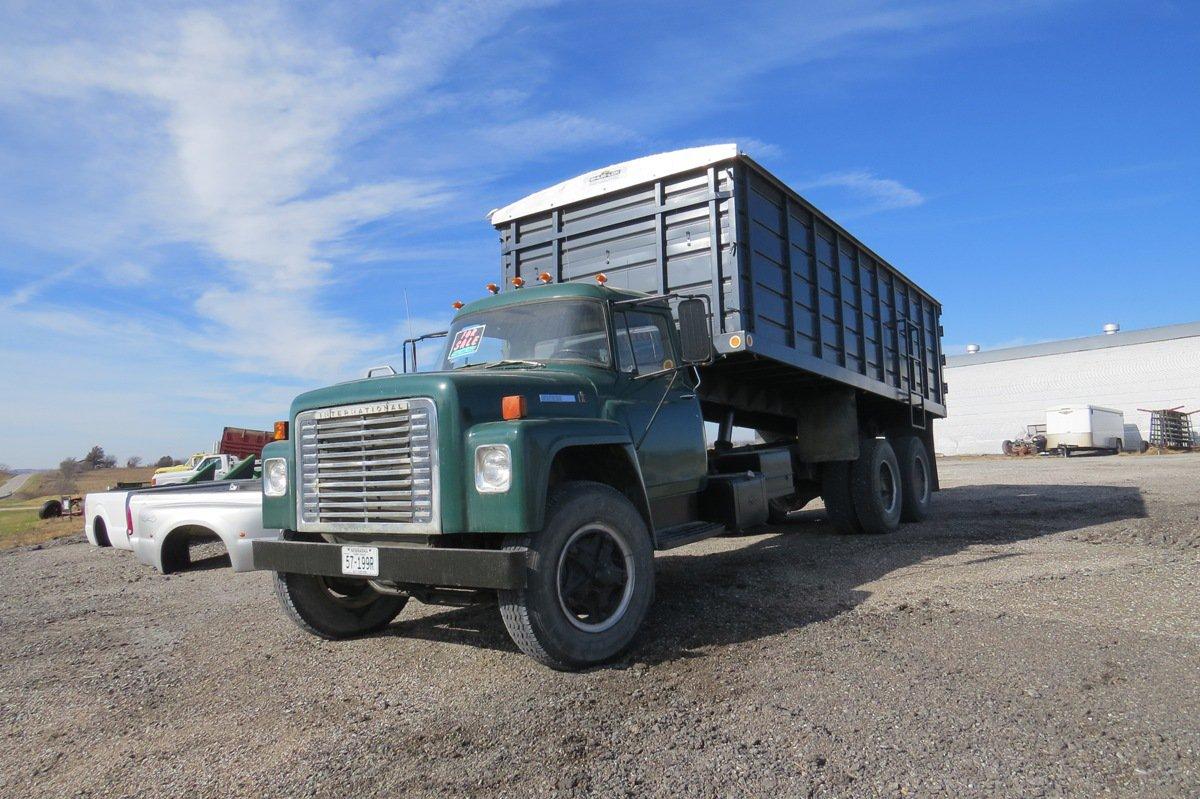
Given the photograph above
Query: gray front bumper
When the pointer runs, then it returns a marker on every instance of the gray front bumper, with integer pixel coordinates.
(449, 568)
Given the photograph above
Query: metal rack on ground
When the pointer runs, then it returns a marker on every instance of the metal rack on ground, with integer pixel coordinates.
(1171, 428)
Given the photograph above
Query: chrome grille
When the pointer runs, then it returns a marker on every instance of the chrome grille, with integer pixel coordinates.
(368, 468)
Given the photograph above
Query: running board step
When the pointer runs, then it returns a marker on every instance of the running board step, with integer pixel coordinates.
(683, 534)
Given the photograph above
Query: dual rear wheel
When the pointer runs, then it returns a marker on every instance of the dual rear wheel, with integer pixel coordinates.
(885, 486)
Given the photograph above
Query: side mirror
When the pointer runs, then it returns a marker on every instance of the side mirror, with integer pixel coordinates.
(695, 337)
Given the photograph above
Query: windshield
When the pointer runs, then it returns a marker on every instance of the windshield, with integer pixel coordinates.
(552, 330)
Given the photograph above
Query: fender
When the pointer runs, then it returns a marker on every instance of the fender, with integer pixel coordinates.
(533, 443)
(235, 523)
(89, 522)
(280, 512)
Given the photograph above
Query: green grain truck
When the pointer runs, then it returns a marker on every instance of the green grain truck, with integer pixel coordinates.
(561, 441)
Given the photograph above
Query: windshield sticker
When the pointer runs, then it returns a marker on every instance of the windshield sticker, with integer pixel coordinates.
(466, 342)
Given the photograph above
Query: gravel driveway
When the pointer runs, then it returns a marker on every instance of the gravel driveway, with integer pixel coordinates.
(1040, 636)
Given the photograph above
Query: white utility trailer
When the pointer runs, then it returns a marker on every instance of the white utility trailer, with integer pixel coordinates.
(1084, 427)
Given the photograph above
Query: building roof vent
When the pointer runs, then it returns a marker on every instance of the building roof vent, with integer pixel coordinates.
(972, 349)
(1110, 328)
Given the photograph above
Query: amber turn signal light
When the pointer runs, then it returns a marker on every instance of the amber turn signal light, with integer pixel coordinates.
(512, 407)
(281, 431)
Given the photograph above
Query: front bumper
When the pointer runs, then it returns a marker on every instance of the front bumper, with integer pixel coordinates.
(443, 568)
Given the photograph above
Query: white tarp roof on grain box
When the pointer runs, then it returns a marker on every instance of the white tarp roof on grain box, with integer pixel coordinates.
(614, 178)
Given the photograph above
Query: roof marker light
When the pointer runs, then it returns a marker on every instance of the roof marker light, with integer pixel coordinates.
(518, 281)
(601, 278)
(493, 288)
(544, 277)
(457, 304)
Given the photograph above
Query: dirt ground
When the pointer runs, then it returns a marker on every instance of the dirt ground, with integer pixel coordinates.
(1040, 637)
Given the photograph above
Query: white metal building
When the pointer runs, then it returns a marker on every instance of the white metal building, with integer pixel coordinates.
(994, 395)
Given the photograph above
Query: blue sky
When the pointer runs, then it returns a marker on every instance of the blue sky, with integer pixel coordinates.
(208, 208)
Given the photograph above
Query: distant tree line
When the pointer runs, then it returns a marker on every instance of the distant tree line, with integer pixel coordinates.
(96, 458)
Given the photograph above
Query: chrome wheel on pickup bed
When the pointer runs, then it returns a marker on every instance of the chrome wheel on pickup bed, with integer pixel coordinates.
(590, 579)
(335, 607)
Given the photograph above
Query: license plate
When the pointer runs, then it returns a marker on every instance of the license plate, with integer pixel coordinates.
(360, 561)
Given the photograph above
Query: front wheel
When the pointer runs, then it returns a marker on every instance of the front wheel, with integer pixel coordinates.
(589, 579)
(335, 607)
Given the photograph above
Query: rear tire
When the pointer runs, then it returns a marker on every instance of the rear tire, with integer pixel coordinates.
(589, 579)
(838, 498)
(875, 487)
(916, 478)
(335, 607)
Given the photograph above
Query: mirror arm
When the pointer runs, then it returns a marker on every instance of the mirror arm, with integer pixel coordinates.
(657, 408)
(411, 343)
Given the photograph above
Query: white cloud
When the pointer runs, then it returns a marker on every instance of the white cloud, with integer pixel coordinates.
(126, 273)
(758, 149)
(267, 146)
(255, 113)
(873, 192)
(25, 293)
(554, 132)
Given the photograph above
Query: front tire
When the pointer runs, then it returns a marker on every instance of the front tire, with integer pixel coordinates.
(335, 607)
(589, 579)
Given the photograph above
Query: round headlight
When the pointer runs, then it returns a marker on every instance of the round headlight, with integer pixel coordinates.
(493, 468)
(274, 477)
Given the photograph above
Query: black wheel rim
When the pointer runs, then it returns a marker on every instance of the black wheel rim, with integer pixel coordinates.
(888, 495)
(921, 478)
(348, 593)
(595, 578)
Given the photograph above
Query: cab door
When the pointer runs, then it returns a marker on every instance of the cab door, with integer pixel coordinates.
(672, 451)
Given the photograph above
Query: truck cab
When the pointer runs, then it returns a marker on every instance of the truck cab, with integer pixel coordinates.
(209, 467)
(560, 440)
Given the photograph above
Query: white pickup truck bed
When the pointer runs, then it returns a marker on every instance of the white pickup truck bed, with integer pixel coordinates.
(165, 521)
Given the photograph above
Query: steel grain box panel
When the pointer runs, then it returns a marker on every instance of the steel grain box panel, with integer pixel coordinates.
(803, 291)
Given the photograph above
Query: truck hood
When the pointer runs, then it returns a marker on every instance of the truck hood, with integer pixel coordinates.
(474, 396)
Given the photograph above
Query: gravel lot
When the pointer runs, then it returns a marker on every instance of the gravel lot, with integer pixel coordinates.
(1040, 636)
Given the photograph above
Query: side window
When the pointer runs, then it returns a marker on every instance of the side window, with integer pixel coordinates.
(644, 343)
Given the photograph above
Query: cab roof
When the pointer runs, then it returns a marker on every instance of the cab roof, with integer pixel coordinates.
(552, 291)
